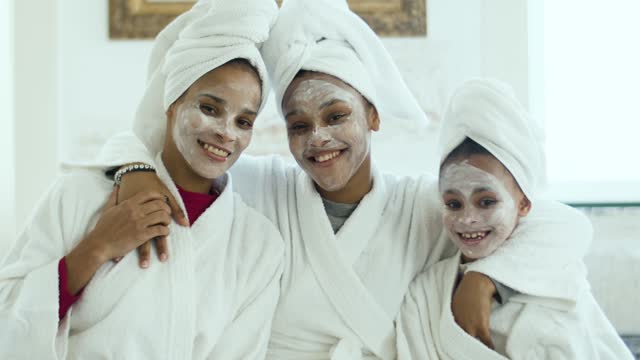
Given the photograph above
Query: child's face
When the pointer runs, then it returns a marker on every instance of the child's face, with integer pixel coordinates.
(482, 204)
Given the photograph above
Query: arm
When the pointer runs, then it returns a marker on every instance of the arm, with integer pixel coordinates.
(543, 256)
(29, 283)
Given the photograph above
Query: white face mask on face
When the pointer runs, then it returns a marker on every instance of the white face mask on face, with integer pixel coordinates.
(329, 134)
(213, 120)
(480, 213)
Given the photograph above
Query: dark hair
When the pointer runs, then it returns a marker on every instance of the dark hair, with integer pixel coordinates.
(303, 73)
(466, 148)
(246, 64)
(469, 148)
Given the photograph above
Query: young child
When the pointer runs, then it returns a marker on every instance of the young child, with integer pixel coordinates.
(491, 164)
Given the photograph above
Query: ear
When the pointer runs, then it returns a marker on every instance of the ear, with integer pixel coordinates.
(524, 207)
(171, 111)
(373, 118)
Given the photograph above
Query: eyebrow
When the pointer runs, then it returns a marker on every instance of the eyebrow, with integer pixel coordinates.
(483, 189)
(215, 98)
(292, 113)
(223, 102)
(329, 103)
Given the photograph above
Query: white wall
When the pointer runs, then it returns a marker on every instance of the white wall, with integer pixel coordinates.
(99, 82)
(35, 102)
(7, 180)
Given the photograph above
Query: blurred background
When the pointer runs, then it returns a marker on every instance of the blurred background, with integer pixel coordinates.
(65, 87)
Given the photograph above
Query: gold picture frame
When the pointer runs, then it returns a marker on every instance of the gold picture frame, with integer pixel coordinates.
(143, 19)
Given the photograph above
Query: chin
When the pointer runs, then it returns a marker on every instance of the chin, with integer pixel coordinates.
(330, 186)
(210, 174)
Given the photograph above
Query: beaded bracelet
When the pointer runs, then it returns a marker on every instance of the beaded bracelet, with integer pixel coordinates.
(117, 178)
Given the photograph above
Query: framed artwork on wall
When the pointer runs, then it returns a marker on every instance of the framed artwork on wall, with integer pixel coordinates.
(143, 19)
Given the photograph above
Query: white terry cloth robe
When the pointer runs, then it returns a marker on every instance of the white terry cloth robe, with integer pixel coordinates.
(525, 328)
(213, 299)
(538, 325)
(341, 292)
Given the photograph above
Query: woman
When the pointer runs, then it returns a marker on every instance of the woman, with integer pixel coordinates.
(354, 237)
(215, 297)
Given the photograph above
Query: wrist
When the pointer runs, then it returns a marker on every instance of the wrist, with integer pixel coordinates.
(92, 250)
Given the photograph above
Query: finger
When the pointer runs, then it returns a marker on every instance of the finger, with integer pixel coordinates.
(155, 205)
(162, 248)
(176, 210)
(117, 260)
(156, 231)
(157, 218)
(112, 200)
(485, 338)
(144, 255)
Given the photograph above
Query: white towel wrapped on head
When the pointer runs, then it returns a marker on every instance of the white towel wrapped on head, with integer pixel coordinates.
(209, 35)
(325, 36)
(488, 112)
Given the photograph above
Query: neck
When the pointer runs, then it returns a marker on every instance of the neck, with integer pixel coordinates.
(181, 172)
(358, 186)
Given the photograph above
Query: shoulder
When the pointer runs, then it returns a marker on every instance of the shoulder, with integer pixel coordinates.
(79, 188)
(554, 212)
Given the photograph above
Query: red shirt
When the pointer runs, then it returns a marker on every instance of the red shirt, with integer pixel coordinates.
(195, 203)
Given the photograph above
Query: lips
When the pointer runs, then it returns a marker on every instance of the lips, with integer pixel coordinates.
(473, 238)
(214, 150)
(325, 158)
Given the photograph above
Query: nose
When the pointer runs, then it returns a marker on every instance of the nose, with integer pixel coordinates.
(224, 134)
(469, 217)
(319, 138)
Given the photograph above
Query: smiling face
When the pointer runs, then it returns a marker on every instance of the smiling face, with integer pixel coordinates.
(482, 204)
(210, 125)
(329, 128)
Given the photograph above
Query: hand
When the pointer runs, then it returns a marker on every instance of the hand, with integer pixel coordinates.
(136, 182)
(120, 229)
(471, 305)
(123, 227)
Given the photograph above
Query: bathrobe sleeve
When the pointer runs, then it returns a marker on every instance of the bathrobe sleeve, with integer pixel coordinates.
(544, 255)
(29, 280)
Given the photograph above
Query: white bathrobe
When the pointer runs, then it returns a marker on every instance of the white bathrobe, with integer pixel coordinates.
(213, 299)
(525, 328)
(341, 292)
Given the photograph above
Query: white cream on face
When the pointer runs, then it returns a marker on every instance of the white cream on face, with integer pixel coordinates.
(209, 144)
(474, 223)
(331, 152)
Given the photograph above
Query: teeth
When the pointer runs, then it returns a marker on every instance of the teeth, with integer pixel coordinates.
(327, 157)
(214, 150)
(474, 235)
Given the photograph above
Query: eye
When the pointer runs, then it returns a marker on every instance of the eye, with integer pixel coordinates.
(487, 202)
(244, 124)
(208, 110)
(453, 205)
(336, 117)
(298, 127)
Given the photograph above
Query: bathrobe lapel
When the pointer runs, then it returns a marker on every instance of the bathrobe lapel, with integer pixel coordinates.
(181, 280)
(332, 258)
